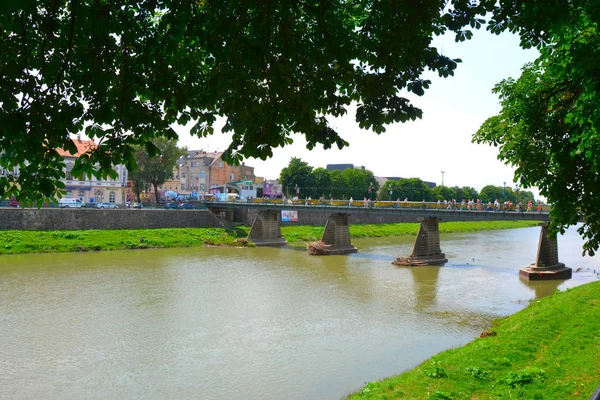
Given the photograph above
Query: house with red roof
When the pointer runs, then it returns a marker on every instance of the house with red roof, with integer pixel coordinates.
(89, 189)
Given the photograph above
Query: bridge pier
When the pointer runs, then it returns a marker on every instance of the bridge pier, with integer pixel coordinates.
(337, 235)
(546, 265)
(266, 229)
(426, 250)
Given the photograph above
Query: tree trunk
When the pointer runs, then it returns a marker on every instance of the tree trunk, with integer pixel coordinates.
(156, 192)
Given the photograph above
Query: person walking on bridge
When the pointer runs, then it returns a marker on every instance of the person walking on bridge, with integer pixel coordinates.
(350, 201)
(539, 207)
(529, 204)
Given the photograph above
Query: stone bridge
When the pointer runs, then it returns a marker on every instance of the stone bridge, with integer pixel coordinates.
(266, 230)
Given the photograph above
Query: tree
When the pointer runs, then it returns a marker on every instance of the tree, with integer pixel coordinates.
(548, 127)
(122, 73)
(491, 193)
(322, 182)
(138, 183)
(359, 183)
(443, 193)
(297, 173)
(465, 193)
(155, 170)
(412, 188)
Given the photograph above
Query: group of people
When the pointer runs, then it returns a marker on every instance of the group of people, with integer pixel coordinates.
(478, 205)
(468, 205)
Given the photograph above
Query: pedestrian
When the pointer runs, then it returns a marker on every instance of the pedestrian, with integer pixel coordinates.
(423, 204)
(406, 202)
(439, 204)
(398, 202)
(350, 201)
(539, 207)
(365, 202)
(529, 205)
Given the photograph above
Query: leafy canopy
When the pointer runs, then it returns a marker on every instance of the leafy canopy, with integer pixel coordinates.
(126, 72)
(548, 127)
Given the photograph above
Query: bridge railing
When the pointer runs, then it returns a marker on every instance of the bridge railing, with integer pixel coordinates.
(390, 204)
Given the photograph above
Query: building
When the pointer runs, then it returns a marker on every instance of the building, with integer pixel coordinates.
(342, 167)
(89, 189)
(205, 172)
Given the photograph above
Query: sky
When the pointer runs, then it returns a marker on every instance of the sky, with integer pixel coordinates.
(453, 109)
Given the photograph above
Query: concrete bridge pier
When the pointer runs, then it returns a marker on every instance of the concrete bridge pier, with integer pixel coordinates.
(337, 235)
(266, 229)
(426, 250)
(546, 265)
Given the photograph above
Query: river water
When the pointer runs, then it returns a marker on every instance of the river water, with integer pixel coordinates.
(263, 323)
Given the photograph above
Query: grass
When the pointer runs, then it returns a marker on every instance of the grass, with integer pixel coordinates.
(18, 242)
(312, 233)
(550, 350)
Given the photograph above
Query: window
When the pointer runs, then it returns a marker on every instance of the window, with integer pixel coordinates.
(231, 176)
(111, 197)
(81, 195)
(183, 186)
(220, 164)
(68, 175)
(68, 195)
(202, 175)
(183, 175)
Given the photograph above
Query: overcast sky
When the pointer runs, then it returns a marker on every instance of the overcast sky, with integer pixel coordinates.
(453, 110)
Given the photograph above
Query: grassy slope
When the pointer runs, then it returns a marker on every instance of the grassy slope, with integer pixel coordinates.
(311, 233)
(550, 350)
(14, 242)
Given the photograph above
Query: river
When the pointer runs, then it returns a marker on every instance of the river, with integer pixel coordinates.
(258, 323)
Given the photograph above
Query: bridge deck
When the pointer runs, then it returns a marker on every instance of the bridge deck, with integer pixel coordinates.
(416, 213)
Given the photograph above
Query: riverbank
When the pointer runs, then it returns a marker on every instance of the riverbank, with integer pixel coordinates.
(549, 350)
(20, 242)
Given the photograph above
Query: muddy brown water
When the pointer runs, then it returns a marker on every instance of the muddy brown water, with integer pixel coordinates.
(261, 323)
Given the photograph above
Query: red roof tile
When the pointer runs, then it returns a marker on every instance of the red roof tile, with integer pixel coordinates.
(83, 146)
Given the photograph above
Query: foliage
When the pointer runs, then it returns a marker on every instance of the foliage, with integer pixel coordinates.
(321, 182)
(443, 193)
(435, 370)
(492, 193)
(156, 169)
(465, 193)
(548, 127)
(412, 188)
(478, 373)
(125, 74)
(548, 350)
(297, 173)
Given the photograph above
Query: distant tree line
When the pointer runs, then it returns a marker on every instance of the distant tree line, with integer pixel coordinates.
(300, 179)
(416, 190)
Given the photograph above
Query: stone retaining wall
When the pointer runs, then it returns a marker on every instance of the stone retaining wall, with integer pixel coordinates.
(82, 218)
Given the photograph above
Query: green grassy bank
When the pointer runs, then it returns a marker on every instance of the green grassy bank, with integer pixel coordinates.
(17, 242)
(550, 350)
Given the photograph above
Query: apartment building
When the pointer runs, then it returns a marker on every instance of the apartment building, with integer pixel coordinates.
(89, 189)
(204, 172)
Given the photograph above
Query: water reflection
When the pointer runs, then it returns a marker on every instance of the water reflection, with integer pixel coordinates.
(542, 288)
(425, 281)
